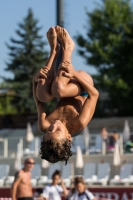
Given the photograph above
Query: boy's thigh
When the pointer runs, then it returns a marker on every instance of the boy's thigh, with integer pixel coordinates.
(43, 92)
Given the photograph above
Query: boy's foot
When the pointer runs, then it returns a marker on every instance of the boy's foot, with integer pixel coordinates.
(64, 38)
(52, 39)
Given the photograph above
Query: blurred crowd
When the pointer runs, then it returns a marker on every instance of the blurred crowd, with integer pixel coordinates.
(109, 140)
(56, 190)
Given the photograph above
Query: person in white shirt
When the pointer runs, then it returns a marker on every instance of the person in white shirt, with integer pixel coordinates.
(79, 191)
(55, 191)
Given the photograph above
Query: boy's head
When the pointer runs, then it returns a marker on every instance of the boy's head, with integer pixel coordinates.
(56, 143)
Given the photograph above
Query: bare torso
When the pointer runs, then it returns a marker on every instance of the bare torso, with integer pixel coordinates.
(67, 109)
(24, 188)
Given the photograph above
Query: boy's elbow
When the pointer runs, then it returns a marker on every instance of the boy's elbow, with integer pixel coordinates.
(82, 125)
(95, 94)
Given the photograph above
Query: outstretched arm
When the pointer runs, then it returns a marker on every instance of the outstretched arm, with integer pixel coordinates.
(42, 122)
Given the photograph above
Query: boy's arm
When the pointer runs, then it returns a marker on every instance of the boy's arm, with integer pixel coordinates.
(42, 122)
(90, 103)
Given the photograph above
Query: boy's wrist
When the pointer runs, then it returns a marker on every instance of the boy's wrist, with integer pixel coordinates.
(75, 74)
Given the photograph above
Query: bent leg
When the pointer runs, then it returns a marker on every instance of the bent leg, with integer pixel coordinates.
(43, 90)
(72, 88)
(63, 86)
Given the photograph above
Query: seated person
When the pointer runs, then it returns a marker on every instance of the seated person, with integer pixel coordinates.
(74, 108)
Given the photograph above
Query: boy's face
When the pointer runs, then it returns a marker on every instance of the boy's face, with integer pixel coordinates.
(57, 131)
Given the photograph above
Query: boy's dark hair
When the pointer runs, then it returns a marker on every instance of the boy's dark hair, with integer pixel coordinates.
(56, 173)
(54, 151)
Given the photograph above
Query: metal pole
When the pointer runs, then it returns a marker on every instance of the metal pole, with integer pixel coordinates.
(59, 22)
(21, 146)
(5, 148)
(60, 13)
(36, 147)
(121, 144)
(103, 147)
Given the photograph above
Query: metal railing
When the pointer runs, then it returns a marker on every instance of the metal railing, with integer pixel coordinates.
(8, 146)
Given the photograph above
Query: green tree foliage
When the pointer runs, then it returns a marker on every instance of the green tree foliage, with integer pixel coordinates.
(27, 55)
(108, 46)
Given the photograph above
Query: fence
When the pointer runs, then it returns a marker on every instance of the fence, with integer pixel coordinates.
(8, 146)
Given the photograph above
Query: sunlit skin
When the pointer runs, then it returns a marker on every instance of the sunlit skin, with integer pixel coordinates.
(22, 183)
(28, 165)
(80, 187)
(73, 111)
(57, 131)
(56, 179)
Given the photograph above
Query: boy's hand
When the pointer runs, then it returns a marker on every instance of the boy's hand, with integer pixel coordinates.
(41, 75)
(70, 72)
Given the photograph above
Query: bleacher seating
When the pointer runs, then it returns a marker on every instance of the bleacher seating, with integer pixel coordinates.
(9, 180)
(36, 173)
(66, 174)
(97, 148)
(78, 141)
(125, 175)
(89, 172)
(103, 174)
(4, 172)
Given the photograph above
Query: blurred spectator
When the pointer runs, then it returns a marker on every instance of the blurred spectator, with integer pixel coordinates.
(38, 193)
(55, 191)
(79, 191)
(21, 187)
(115, 135)
(112, 138)
(129, 145)
(104, 135)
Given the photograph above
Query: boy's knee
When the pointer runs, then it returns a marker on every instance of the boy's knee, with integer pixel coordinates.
(86, 76)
